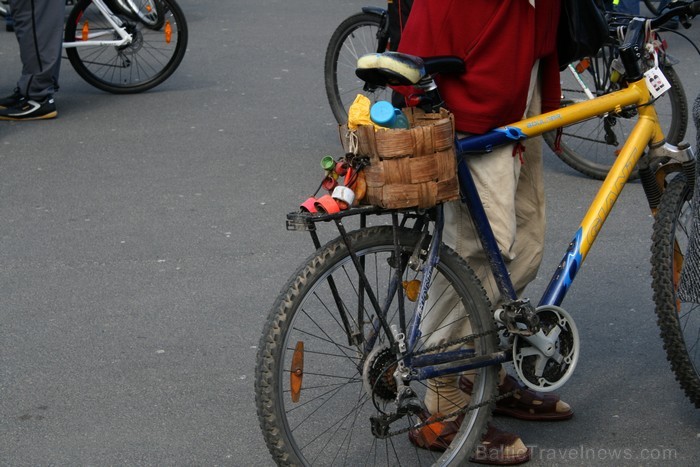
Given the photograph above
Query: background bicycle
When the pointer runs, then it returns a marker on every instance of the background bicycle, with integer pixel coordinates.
(124, 46)
(144, 42)
(591, 147)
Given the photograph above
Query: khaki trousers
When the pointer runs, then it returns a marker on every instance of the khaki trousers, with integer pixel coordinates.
(512, 191)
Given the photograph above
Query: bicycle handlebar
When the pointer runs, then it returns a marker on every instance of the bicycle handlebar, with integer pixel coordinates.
(687, 9)
(635, 35)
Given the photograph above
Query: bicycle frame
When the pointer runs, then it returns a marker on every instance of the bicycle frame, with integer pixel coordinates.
(517, 315)
(124, 37)
(646, 132)
(369, 326)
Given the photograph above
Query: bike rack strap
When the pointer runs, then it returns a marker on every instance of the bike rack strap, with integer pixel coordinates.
(305, 221)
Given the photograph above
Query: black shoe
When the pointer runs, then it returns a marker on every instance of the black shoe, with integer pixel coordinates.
(29, 109)
(12, 100)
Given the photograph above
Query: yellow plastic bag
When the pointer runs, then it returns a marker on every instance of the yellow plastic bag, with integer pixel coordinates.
(358, 113)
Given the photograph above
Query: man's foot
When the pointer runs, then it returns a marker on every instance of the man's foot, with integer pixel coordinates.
(12, 100)
(525, 404)
(497, 447)
(29, 109)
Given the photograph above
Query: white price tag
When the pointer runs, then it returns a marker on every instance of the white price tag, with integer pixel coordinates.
(656, 82)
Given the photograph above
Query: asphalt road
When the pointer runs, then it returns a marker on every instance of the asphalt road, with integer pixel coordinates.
(142, 242)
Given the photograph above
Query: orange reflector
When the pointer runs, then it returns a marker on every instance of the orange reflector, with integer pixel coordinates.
(86, 31)
(168, 32)
(297, 371)
(412, 289)
(677, 268)
(582, 65)
(149, 8)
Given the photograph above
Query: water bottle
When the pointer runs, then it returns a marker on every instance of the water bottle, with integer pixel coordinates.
(384, 114)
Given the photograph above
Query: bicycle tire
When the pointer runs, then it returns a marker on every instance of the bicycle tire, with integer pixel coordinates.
(583, 146)
(679, 322)
(353, 38)
(150, 59)
(330, 425)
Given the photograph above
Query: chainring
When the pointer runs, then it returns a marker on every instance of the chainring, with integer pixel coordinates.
(548, 373)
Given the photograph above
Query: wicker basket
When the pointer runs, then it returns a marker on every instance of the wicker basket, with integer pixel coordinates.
(414, 167)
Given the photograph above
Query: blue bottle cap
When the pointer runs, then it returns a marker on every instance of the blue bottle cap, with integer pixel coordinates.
(382, 113)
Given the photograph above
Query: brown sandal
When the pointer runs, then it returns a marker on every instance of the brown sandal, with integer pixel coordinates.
(497, 447)
(525, 404)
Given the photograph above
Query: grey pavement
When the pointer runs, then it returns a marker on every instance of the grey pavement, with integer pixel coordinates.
(142, 243)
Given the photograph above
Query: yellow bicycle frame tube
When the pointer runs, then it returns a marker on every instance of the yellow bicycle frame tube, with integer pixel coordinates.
(646, 132)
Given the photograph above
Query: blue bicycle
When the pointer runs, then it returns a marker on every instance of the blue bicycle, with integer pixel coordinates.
(353, 340)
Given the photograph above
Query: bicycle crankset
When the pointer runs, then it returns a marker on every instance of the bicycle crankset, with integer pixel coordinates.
(545, 360)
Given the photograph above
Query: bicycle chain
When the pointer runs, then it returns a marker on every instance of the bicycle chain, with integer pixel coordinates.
(461, 340)
(456, 413)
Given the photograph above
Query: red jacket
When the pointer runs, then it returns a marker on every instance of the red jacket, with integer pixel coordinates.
(499, 41)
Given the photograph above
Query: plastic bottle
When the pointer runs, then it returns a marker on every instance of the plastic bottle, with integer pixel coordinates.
(384, 114)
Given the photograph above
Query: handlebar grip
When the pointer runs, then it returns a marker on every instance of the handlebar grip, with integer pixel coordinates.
(691, 9)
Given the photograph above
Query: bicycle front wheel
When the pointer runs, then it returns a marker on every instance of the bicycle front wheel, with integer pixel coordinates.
(324, 365)
(679, 321)
(156, 50)
(353, 38)
(591, 147)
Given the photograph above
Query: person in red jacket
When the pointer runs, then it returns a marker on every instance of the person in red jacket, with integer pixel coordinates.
(512, 72)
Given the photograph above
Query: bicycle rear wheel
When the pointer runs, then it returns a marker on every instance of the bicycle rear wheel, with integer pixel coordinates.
(353, 38)
(678, 321)
(592, 146)
(156, 51)
(348, 377)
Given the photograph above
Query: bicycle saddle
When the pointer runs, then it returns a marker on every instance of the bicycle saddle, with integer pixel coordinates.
(399, 69)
